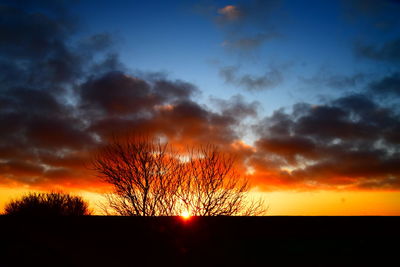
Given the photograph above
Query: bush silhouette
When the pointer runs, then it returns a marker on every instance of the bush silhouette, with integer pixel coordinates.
(48, 204)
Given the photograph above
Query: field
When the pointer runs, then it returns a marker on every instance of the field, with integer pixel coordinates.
(199, 241)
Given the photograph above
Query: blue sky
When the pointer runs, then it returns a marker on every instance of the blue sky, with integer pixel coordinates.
(185, 40)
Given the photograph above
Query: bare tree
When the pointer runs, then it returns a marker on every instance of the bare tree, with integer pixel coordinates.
(48, 204)
(143, 174)
(213, 187)
(151, 179)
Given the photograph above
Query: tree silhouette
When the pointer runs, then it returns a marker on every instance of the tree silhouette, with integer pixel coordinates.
(212, 186)
(143, 174)
(149, 178)
(48, 204)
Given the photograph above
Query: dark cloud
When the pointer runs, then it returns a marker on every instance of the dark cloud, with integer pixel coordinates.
(268, 80)
(62, 97)
(386, 52)
(33, 45)
(174, 90)
(98, 42)
(20, 168)
(376, 16)
(379, 14)
(196, 123)
(288, 147)
(337, 81)
(236, 106)
(31, 34)
(57, 133)
(386, 184)
(183, 121)
(388, 86)
(117, 93)
(347, 142)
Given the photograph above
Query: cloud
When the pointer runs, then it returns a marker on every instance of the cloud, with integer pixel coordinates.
(376, 17)
(388, 86)
(229, 13)
(386, 52)
(268, 80)
(117, 93)
(98, 42)
(58, 138)
(378, 14)
(350, 142)
(236, 106)
(337, 81)
(62, 97)
(249, 42)
(248, 24)
(20, 168)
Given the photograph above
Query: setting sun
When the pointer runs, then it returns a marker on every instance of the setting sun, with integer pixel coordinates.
(185, 215)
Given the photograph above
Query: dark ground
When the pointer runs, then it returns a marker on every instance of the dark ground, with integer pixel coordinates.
(212, 241)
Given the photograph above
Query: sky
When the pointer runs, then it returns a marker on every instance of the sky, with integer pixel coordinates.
(304, 93)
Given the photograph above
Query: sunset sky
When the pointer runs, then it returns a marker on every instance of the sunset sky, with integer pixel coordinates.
(305, 94)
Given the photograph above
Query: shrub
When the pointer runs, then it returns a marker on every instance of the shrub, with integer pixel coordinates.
(48, 204)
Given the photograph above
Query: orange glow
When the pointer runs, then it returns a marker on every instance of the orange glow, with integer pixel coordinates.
(333, 203)
(287, 202)
(185, 215)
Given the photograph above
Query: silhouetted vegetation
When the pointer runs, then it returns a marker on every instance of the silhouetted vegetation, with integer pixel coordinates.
(48, 204)
(152, 179)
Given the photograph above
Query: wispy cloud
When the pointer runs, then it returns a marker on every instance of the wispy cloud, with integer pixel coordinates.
(270, 79)
(248, 24)
(230, 13)
(325, 78)
(386, 52)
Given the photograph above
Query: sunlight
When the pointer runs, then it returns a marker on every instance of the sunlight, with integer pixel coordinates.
(185, 215)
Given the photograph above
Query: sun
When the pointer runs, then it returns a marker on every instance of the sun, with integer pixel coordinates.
(185, 215)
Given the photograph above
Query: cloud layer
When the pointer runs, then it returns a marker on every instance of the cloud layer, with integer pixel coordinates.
(350, 142)
(61, 98)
